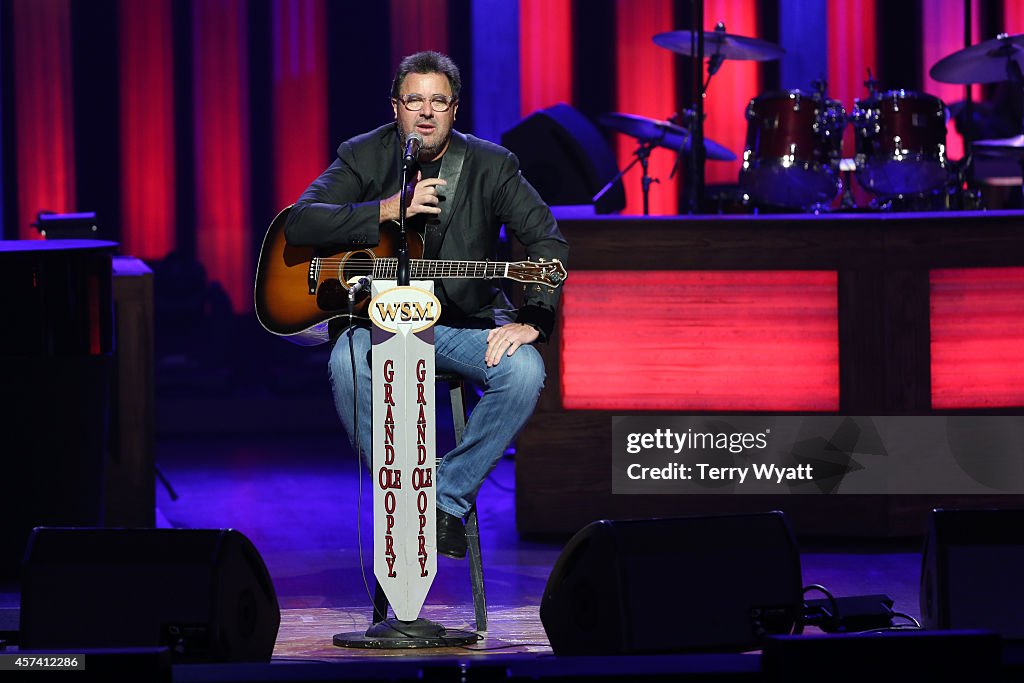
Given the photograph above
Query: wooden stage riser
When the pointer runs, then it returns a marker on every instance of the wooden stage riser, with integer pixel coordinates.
(882, 265)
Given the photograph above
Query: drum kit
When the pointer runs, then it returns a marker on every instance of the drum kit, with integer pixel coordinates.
(793, 155)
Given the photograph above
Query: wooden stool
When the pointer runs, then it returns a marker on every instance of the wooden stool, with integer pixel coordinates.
(456, 390)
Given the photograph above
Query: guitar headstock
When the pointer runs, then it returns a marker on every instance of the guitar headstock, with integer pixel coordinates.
(550, 273)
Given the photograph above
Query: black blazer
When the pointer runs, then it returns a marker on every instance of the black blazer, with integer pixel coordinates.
(485, 190)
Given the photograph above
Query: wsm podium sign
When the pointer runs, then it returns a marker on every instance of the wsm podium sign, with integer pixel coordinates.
(405, 547)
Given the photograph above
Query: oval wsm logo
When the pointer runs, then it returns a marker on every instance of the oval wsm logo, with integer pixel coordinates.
(405, 306)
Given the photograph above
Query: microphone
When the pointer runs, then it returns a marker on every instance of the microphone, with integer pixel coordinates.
(413, 141)
(358, 286)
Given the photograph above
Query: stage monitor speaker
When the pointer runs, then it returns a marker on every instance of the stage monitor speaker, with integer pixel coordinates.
(566, 158)
(971, 571)
(204, 593)
(674, 585)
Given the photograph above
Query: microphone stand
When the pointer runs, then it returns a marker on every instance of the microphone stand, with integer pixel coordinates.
(402, 272)
(395, 633)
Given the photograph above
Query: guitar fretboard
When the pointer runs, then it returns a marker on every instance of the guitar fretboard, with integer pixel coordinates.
(422, 269)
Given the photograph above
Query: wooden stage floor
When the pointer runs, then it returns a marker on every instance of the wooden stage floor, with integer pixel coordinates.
(296, 498)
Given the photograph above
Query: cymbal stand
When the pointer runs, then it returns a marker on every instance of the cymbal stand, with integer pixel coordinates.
(968, 135)
(641, 154)
(695, 159)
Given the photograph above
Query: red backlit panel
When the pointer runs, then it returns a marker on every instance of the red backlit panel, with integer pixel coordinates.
(545, 54)
(977, 337)
(700, 340)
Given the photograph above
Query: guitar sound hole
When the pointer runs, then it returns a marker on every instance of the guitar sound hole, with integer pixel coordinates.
(357, 265)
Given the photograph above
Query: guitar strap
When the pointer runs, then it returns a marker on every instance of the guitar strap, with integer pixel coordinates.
(451, 170)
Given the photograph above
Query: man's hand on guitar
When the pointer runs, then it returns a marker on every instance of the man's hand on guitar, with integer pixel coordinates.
(505, 340)
(422, 199)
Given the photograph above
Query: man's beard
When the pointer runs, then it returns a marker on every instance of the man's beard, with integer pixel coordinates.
(427, 151)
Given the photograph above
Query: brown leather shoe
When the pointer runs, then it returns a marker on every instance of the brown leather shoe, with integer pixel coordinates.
(451, 535)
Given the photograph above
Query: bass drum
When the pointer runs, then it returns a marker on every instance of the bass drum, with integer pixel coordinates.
(901, 143)
(794, 141)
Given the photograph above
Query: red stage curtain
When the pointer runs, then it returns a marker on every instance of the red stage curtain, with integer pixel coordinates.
(418, 25)
(301, 148)
(942, 33)
(645, 85)
(545, 54)
(43, 110)
(1013, 17)
(730, 89)
(851, 52)
(977, 344)
(147, 128)
(222, 163)
(698, 340)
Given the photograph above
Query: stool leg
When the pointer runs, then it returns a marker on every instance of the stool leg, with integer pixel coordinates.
(458, 399)
(476, 570)
(476, 563)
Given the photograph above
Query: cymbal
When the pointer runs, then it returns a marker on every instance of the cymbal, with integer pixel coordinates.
(985, 62)
(662, 134)
(1007, 148)
(727, 45)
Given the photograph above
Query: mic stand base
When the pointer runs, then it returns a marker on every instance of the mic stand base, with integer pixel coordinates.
(394, 634)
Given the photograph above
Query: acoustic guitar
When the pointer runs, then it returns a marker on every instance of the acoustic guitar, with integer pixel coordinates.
(299, 290)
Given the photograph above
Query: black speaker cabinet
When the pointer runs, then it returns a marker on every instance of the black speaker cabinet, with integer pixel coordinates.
(971, 571)
(566, 158)
(204, 593)
(673, 585)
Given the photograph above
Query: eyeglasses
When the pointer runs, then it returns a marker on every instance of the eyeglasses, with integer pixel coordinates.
(415, 102)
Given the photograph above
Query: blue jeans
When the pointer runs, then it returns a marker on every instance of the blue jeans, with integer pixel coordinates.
(510, 389)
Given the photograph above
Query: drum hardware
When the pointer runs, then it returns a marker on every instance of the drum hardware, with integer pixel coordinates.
(1009, 148)
(718, 46)
(991, 61)
(1005, 148)
(719, 43)
(793, 148)
(847, 167)
(900, 143)
(651, 133)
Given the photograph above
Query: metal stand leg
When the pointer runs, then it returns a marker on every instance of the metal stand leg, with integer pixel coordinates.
(380, 604)
(476, 570)
(456, 388)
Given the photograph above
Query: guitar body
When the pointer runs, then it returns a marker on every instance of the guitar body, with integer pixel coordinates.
(300, 289)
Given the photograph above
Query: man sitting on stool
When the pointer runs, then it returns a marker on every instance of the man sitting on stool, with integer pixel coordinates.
(465, 190)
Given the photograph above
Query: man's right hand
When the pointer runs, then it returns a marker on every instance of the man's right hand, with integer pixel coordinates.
(424, 200)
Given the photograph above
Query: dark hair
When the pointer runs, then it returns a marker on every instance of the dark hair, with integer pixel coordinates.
(428, 62)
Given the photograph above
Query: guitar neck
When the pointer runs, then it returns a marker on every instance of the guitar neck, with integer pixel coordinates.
(423, 269)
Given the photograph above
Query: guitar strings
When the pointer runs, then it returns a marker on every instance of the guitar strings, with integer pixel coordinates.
(363, 266)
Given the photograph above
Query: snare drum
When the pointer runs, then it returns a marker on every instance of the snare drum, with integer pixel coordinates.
(794, 141)
(901, 143)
